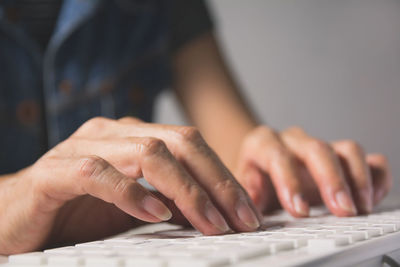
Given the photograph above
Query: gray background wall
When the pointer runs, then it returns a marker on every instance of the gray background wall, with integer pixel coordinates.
(332, 67)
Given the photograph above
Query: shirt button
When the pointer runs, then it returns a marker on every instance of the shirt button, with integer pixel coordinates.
(28, 112)
(65, 86)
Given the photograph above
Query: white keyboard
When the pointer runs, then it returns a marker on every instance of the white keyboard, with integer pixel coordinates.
(283, 241)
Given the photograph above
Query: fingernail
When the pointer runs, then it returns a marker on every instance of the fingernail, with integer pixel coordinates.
(246, 215)
(216, 218)
(345, 202)
(300, 205)
(156, 208)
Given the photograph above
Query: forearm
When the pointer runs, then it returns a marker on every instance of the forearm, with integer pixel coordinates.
(210, 97)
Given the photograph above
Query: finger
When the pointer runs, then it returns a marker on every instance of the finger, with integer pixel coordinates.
(95, 176)
(265, 149)
(252, 180)
(257, 185)
(177, 216)
(381, 176)
(309, 186)
(359, 176)
(149, 157)
(325, 168)
(188, 146)
(178, 185)
(210, 172)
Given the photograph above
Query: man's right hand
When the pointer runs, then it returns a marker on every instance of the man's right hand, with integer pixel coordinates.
(86, 187)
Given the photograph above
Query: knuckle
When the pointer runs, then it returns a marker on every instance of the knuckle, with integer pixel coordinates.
(97, 122)
(261, 134)
(318, 146)
(128, 119)
(352, 147)
(279, 152)
(91, 167)
(258, 135)
(152, 146)
(192, 193)
(94, 123)
(189, 134)
(192, 138)
(295, 130)
(227, 185)
(121, 188)
(263, 130)
(251, 142)
(382, 159)
(61, 148)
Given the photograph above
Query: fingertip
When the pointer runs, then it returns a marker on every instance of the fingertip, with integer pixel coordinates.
(247, 215)
(216, 218)
(300, 206)
(156, 208)
(345, 203)
(339, 202)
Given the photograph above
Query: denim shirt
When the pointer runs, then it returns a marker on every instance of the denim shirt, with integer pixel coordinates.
(105, 58)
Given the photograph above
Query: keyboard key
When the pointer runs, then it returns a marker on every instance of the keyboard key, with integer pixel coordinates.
(63, 260)
(297, 241)
(327, 243)
(34, 258)
(358, 235)
(372, 231)
(195, 262)
(387, 228)
(276, 246)
(351, 238)
(71, 251)
(134, 251)
(95, 244)
(147, 262)
(104, 261)
(238, 253)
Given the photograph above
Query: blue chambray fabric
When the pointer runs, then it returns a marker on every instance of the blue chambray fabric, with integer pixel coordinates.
(111, 55)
